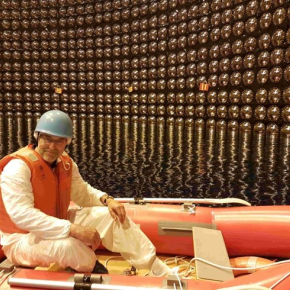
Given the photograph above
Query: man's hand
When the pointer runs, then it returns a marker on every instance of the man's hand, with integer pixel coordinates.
(116, 209)
(86, 235)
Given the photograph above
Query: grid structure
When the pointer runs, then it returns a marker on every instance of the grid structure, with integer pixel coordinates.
(148, 58)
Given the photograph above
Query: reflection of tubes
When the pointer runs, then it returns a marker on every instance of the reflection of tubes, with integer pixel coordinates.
(271, 156)
(83, 148)
(209, 184)
(134, 132)
(258, 155)
(1, 135)
(100, 152)
(244, 150)
(168, 158)
(232, 157)
(107, 154)
(151, 156)
(219, 175)
(141, 157)
(29, 127)
(91, 145)
(177, 179)
(133, 155)
(188, 158)
(9, 125)
(73, 148)
(126, 136)
(116, 147)
(117, 163)
(151, 140)
(19, 130)
(160, 155)
(124, 151)
(199, 157)
(284, 167)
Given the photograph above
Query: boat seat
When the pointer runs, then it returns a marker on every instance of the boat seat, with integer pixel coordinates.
(209, 245)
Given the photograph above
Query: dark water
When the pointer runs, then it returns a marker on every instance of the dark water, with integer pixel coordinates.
(140, 157)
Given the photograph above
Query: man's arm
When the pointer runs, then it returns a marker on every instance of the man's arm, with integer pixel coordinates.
(85, 195)
(18, 199)
(86, 235)
(82, 193)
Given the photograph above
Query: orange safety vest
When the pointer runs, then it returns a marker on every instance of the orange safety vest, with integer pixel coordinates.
(51, 189)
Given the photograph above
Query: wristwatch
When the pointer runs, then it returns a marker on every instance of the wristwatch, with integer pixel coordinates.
(106, 199)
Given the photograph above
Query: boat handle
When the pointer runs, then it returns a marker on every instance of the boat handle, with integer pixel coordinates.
(176, 229)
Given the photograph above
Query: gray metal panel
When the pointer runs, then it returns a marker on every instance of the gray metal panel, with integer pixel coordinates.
(181, 229)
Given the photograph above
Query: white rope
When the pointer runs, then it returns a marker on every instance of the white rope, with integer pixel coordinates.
(237, 269)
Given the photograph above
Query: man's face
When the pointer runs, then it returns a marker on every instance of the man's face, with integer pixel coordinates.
(50, 147)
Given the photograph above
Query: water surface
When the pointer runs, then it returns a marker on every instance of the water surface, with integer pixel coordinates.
(166, 157)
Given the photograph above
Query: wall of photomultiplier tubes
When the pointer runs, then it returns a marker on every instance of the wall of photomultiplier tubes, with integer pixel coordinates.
(145, 57)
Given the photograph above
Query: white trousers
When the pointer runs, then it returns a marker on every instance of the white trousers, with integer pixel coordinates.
(126, 239)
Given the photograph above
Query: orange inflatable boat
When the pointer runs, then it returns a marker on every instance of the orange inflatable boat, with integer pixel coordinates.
(253, 236)
(247, 231)
(276, 278)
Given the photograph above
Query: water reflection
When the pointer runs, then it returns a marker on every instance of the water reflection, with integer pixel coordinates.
(151, 155)
(220, 159)
(83, 146)
(245, 162)
(210, 186)
(2, 135)
(10, 133)
(159, 156)
(142, 170)
(117, 164)
(258, 158)
(284, 166)
(29, 126)
(188, 167)
(177, 178)
(91, 149)
(167, 157)
(232, 165)
(199, 159)
(271, 193)
(127, 155)
(99, 159)
(167, 161)
(19, 130)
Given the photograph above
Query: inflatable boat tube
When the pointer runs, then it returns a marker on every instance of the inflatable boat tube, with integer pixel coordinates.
(32, 279)
(247, 231)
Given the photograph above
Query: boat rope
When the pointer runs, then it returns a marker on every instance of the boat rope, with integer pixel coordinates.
(180, 284)
(252, 287)
(280, 280)
(237, 269)
(246, 287)
(184, 200)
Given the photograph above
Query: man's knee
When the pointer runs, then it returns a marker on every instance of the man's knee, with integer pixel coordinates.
(75, 254)
(69, 244)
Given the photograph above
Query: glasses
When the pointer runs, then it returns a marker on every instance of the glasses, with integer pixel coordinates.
(48, 140)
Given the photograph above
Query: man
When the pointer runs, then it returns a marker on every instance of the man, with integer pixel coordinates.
(37, 184)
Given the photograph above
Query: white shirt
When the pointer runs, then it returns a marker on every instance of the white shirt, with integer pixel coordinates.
(18, 199)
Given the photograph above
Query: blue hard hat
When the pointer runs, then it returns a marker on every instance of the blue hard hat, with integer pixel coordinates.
(56, 123)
